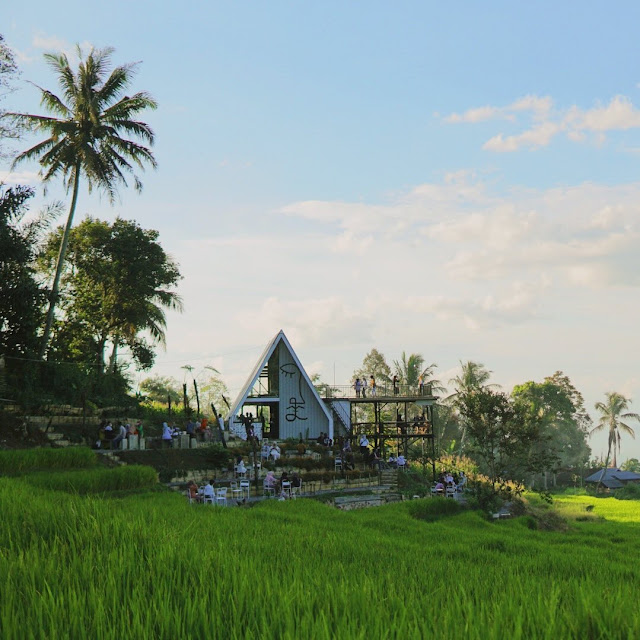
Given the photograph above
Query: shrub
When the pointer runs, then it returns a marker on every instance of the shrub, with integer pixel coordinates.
(628, 492)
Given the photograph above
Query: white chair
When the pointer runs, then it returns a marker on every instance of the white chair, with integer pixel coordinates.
(236, 491)
(221, 496)
(268, 490)
(286, 488)
(245, 487)
(450, 492)
(337, 463)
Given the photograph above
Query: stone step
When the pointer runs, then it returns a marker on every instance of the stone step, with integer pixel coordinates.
(53, 436)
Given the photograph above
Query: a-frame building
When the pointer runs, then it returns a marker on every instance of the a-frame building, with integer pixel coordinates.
(282, 396)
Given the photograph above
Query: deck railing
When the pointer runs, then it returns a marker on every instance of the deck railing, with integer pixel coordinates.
(385, 390)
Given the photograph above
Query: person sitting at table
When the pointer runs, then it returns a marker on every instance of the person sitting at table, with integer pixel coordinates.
(269, 481)
(448, 479)
(462, 480)
(274, 452)
(439, 487)
(208, 492)
(283, 478)
(393, 461)
(295, 480)
(400, 461)
(192, 488)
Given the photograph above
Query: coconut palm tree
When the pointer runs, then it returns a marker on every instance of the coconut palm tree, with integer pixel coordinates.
(612, 413)
(89, 134)
(473, 377)
(410, 368)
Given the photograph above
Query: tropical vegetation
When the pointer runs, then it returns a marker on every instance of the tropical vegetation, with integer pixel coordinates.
(92, 133)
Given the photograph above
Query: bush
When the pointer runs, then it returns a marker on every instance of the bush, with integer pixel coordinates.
(628, 492)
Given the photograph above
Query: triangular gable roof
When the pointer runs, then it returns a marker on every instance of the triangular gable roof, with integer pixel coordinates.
(260, 365)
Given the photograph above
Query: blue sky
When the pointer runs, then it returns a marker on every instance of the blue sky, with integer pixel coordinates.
(455, 180)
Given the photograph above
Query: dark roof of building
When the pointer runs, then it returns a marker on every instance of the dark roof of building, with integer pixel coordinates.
(613, 478)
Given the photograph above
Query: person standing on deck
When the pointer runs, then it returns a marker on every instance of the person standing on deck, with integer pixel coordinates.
(372, 385)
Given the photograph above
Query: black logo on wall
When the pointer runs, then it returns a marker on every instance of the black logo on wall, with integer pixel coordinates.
(296, 408)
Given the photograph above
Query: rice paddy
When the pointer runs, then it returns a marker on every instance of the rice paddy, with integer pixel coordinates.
(87, 563)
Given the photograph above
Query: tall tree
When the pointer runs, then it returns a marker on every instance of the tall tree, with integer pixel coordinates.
(507, 440)
(612, 414)
(410, 368)
(563, 418)
(115, 287)
(90, 134)
(374, 364)
(473, 377)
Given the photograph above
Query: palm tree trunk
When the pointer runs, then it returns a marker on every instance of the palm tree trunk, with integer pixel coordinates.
(114, 354)
(53, 297)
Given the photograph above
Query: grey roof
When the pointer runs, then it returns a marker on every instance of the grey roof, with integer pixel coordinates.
(612, 477)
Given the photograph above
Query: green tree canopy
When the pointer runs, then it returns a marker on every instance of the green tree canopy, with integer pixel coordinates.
(115, 286)
(159, 389)
(564, 419)
(92, 132)
(374, 364)
(508, 441)
(21, 298)
(410, 368)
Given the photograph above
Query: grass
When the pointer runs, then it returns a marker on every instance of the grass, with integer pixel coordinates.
(20, 461)
(152, 566)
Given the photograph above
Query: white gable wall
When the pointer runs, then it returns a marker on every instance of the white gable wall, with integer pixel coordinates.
(300, 409)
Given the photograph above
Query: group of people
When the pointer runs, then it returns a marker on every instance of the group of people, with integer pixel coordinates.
(324, 440)
(448, 480)
(361, 387)
(278, 485)
(108, 437)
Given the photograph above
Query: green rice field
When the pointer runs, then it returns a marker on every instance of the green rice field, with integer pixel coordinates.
(122, 559)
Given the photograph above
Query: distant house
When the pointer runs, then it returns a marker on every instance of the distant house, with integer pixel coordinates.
(614, 478)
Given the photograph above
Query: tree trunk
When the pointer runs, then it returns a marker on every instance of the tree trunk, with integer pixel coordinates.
(53, 297)
(114, 354)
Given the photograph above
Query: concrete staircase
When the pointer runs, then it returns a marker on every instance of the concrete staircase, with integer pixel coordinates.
(389, 477)
(56, 439)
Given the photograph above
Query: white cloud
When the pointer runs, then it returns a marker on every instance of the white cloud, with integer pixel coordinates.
(19, 177)
(546, 122)
(619, 114)
(538, 106)
(55, 44)
(538, 136)
(479, 114)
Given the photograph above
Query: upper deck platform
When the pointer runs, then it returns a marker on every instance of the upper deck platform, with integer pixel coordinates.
(383, 393)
